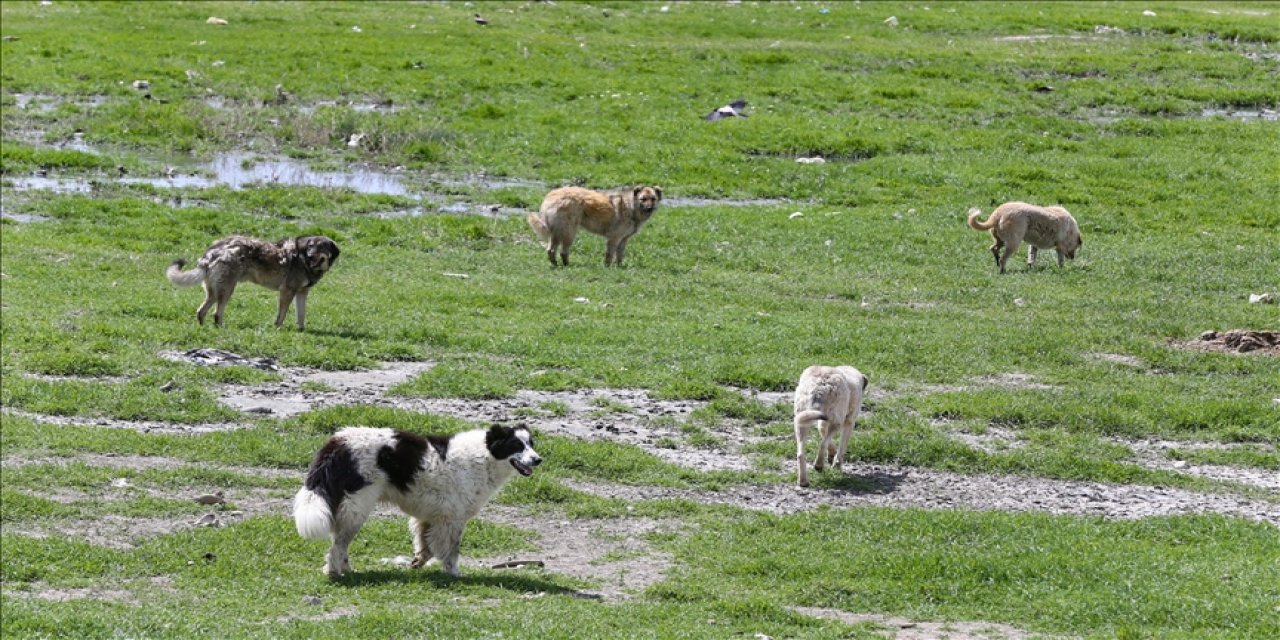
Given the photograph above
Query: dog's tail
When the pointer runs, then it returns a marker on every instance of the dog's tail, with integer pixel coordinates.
(980, 226)
(184, 278)
(311, 515)
(539, 227)
(805, 418)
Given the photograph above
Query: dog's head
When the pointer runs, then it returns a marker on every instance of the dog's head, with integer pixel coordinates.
(317, 252)
(515, 445)
(647, 198)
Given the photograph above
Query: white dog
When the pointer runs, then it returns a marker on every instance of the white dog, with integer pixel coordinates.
(832, 396)
(440, 481)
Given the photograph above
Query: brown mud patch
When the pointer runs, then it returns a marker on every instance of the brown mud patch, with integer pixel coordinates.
(1265, 343)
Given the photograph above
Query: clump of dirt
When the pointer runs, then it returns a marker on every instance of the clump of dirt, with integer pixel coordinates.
(1235, 341)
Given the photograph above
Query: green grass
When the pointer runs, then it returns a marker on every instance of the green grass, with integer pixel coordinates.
(917, 123)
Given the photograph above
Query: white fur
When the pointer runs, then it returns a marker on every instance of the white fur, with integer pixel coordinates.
(442, 497)
(831, 396)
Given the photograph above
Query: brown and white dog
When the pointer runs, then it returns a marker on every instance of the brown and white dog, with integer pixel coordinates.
(617, 216)
(291, 267)
(831, 396)
(1041, 227)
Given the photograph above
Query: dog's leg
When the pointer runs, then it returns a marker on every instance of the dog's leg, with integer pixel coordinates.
(1031, 257)
(825, 448)
(224, 296)
(564, 238)
(845, 431)
(444, 538)
(282, 308)
(209, 300)
(420, 529)
(622, 251)
(995, 249)
(300, 305)
(1061, 258)
(611, 251)
(352, 513)
(1009, 249)
(802, 433)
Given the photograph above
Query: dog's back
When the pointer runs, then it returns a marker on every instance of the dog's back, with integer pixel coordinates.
(830, 391)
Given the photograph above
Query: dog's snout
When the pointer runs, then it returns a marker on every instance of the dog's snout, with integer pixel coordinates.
(537, 460)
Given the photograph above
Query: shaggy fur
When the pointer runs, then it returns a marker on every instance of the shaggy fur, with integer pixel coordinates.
(616, 216)
(1041, 227)
(291, 267)
(833, 397)
(441, 482)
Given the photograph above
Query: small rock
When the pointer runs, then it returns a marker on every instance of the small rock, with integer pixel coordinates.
(214, 20)
(120, 483)
(1207, 336)
(891, 21)
(456, 275)
(356, 29)
(1261, 298)
(265, 411)
(664, 9)
(355, 139)
(1149, 13)
(168, 386)
(581, 300)
(1180, 464)
(312, 600)
(208, 520)
(141, 84)
(1019, 302)
(795, 215)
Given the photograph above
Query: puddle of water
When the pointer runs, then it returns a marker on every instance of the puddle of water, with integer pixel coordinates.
(47, 103)
(1243, 114)
(232, 170)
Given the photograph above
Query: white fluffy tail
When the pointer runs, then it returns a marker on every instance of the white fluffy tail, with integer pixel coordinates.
(184, 278)
(311, 515)
(809, 417)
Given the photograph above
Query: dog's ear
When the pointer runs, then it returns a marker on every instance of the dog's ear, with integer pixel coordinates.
(635, 193)
(865, 381)
(658, 190)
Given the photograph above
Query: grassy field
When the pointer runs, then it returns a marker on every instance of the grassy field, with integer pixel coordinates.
(1158, 132)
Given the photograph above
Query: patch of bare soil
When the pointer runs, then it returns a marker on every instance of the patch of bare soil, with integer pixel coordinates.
(904, 629)
(304, 390)
(610, 552)
(1234, 341)
(141, 463)
(126, 532)
(144, 426)
(891, 486)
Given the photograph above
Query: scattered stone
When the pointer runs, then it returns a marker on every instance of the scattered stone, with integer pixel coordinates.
(456, 275)
(168, 386)
(141, 84)
(312, 600)
(219, 357)
(891, 21)
(208, 520)
(214, 20)
(1261, 298)
(121, 483)
(1149, 13)
(581, 300)
(795, 215)
(813, 160)
(1019, 302)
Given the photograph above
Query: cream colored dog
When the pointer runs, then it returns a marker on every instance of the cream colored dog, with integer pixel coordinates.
(832, 396)
(1041, 227)
(616, 216)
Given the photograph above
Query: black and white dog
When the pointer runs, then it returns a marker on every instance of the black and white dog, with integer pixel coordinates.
(440, 481)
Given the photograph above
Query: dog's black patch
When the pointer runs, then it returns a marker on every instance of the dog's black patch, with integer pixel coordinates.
(440, 444)
(503, 443)
(865, 382)
(333, 474)
(403, 461)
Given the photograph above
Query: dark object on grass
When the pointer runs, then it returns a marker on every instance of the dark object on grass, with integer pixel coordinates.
(481, 21)
(731, 110)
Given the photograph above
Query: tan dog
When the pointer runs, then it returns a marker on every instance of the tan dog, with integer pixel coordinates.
(1041, 227)
(616, 216)
(832, 396)
(291, 266)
